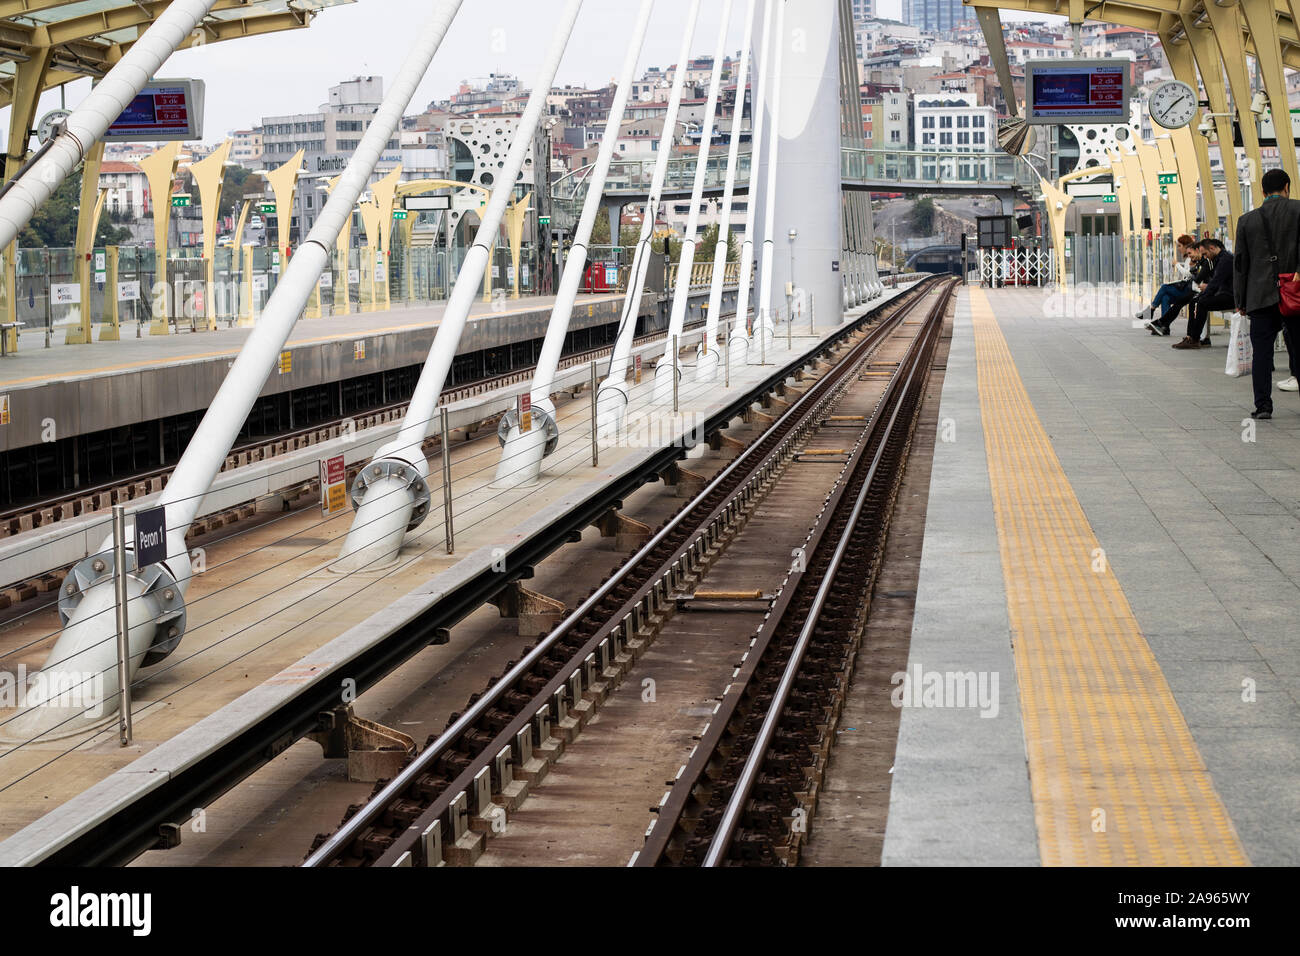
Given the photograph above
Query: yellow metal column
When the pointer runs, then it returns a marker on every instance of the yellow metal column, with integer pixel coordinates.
(1206, 53)
(110, 331)
(91, 204)
(1226, 25)
(1186, 142)
(1178, 218)
(209, 173)
(515, 215)
(246, 292)
(384, 191)
(366, 274)
(25, 87)
(1261, 20)
(1149, 162)
(159, 169)
(1058, 204)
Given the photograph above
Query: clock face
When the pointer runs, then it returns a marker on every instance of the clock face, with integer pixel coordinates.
(45, 128)
(1172, 104)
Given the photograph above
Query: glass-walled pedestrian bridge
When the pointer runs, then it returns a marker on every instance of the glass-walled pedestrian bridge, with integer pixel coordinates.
(875, 170)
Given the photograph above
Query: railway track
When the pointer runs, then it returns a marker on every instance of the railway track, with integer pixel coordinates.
(437, 807)
(747, 792)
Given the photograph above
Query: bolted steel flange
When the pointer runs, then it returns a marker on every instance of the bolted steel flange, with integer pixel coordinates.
(541, 419)
(160, 585)
(393, 468)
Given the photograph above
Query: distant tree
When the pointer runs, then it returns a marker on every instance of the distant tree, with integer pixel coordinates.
(232, 190)
(922, 216)
(54, 224)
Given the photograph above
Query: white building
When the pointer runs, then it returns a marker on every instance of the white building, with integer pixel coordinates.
(128, 188)
(952, 123)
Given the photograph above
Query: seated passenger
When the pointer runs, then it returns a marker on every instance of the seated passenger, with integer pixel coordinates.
(1172, 296)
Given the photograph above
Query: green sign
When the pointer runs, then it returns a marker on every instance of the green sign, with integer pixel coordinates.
(180, 199)
(1107, 198)
(544, 220)
(1166, 179)
(399, 213)
(266, 207)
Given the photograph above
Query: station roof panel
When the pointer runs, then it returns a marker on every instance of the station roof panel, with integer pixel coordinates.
(84, 38)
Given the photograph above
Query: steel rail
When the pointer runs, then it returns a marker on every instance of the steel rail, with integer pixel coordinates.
(768, 445)
(670, 811)
(731, 816)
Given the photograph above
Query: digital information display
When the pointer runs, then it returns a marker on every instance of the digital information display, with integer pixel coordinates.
(1077, 91)
(163, 110)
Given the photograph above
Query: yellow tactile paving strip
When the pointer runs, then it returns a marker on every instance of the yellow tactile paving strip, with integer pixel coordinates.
(1115, 776)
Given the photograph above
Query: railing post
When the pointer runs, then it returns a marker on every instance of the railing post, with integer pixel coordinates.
(675, 348)
(123, 626)
(449, 530)
(595, 445)
(726, 357)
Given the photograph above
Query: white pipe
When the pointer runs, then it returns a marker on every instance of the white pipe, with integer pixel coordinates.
(739, 344)
(521, 457)
(611, 399)
(706, 358)
(243, 383)
(668, 367)
(88, 122)
(363, 547)
(764, 323)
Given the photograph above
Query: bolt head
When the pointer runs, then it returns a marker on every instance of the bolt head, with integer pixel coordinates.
(172, 631)
(98, 564)
(168, 594)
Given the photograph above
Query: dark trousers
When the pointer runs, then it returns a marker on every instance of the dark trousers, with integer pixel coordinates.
(1169, 296)
(1264, 326)
(1201, 309)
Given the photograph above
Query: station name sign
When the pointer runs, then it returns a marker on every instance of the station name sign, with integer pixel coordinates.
(1077, 91)
(164, 110)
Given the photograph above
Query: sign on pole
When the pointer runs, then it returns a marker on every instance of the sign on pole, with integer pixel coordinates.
(524, 406)
(636, 380)
(180, 200)
(65, 293)
(399, 213)
(150, 536)
(333, 486)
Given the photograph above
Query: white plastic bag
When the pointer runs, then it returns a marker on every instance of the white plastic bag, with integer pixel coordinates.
(1240, 352)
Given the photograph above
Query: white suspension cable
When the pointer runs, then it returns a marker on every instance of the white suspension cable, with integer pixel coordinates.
(668, 367)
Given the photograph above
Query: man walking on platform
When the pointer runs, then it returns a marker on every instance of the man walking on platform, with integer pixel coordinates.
(1268, 244)
(1216, 295)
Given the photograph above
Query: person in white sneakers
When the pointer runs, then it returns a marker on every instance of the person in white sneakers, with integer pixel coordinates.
(1172, 296)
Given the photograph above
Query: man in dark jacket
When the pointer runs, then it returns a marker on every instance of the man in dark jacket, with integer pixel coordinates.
(1216, 296)
(1268, 243)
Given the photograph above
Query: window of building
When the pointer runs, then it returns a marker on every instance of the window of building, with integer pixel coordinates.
(963, 122)
(945, 122)
(978, 138)
(963, 139)
(927, 122)
(977, 121)
(945, 139)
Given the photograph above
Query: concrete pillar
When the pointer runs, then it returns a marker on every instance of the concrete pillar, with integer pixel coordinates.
(808, 196)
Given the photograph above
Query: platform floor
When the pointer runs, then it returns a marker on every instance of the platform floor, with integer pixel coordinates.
(34, 363)
(1115, 543)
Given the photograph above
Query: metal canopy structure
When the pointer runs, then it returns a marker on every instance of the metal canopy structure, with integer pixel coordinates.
(46, 43)
(1206, 44)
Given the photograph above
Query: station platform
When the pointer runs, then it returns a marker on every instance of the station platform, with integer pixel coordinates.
(90, 388)
(1104, 662)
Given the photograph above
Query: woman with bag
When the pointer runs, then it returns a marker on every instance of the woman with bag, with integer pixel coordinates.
(1265, 284)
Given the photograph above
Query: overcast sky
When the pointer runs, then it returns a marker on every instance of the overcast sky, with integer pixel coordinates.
(291, 72)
